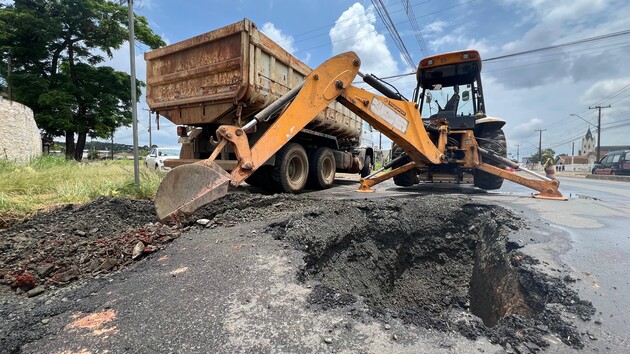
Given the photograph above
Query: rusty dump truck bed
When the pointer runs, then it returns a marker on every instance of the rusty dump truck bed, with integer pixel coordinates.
(226, 76)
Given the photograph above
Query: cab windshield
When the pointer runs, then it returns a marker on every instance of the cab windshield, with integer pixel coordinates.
(455, 99)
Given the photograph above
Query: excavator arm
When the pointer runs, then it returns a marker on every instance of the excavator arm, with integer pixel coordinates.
(188, 187)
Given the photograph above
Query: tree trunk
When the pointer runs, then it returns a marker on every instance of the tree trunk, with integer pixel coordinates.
(70, 148)
(80, 146)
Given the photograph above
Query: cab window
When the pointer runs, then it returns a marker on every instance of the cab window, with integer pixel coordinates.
(615, 158)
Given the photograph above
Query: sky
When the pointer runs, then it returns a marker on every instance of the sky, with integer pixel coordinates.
(540, 90)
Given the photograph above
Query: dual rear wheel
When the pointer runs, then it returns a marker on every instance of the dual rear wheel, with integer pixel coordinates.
(295, 169)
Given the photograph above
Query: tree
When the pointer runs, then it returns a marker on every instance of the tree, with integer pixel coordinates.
(55, 46)
(546, 153)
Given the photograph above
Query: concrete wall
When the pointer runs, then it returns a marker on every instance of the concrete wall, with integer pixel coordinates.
(19, 136)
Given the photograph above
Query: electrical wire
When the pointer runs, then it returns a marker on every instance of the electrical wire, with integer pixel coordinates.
(415, 27)
(382, 12)
(580, 41)
(381, 28)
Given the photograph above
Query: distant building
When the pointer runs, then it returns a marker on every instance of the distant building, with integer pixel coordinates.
(568, 160)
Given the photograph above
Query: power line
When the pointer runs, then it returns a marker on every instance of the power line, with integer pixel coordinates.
(415, 28)
(382, 12)
(599, 125)
(381, 28)
(580, 41)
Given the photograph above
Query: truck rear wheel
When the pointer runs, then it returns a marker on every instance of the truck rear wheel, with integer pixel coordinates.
(291, 170)
(404, 179)
(367, 167)
(494, 140)
(322, 167)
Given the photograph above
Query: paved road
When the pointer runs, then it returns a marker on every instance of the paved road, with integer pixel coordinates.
(225, 291)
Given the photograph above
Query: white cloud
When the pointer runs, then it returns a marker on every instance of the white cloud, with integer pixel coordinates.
(525, 130)
(354, 31)
(604, 88)
(459, 39)
(285, 41)
(434, 27)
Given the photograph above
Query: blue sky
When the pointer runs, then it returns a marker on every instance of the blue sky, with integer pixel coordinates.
(536, 91)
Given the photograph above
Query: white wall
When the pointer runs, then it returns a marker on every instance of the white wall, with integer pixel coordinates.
(20, 139)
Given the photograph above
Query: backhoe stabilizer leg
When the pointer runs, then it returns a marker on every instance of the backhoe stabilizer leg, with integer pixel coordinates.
(548, 189)
(368, 183)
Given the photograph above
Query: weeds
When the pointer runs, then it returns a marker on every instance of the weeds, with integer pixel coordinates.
(49, 181)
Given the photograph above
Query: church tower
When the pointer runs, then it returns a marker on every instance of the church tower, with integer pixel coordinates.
(588, 144)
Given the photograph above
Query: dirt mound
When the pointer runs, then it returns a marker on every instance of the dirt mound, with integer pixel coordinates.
(432, 261)
(436, 261)
(62, 245)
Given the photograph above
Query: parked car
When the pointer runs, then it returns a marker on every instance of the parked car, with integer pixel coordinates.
(157, 155)
(615, 163)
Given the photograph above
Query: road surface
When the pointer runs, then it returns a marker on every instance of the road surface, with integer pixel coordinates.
(204, 295)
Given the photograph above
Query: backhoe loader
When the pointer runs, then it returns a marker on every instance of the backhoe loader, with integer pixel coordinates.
(447, 143)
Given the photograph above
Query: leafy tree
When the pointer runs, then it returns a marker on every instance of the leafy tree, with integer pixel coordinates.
(546, 153)
(55, 48)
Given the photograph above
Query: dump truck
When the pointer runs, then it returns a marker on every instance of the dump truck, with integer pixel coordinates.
(447, 143)
(230, 74)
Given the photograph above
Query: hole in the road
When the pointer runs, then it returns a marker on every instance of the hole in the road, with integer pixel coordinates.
(425, 264)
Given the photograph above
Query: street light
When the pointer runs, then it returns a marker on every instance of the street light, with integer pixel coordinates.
(579, 116)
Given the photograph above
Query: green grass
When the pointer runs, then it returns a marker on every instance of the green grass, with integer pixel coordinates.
(51, 181)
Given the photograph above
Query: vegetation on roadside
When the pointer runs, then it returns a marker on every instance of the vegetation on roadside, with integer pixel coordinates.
(50, 181)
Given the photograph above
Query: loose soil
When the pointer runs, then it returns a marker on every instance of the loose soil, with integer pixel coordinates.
(438, 262)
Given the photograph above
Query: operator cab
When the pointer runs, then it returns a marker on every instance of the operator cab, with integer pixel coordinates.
(449, 87)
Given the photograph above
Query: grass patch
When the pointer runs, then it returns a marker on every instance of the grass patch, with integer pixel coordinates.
(50, 181)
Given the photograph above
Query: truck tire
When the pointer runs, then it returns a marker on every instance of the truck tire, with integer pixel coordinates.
(367, 167)
(404, 179)
(322, 168)
(491, 139)
(291, 170)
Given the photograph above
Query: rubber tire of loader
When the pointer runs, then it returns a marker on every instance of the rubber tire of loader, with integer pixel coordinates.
(322, 168)
(404, 179)
(290, 173)
(367, 167)
(494, 140)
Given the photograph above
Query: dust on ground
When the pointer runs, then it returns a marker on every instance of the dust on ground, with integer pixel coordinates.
(424, 260)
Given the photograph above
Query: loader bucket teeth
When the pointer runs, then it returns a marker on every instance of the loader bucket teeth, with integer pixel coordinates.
(187, 188)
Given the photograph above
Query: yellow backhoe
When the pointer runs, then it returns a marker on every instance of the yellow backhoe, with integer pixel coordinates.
(447, 143)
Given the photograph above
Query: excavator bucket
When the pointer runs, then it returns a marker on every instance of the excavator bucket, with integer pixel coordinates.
(187, 188)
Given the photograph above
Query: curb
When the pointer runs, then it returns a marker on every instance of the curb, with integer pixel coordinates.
(609, 178)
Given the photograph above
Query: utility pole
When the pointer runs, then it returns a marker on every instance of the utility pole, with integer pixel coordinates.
(572, 151)
(134, 107)
(599, 125)
(112, 146)
(9, 78)
(518, 150)
(150, 137)
(540, 144)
